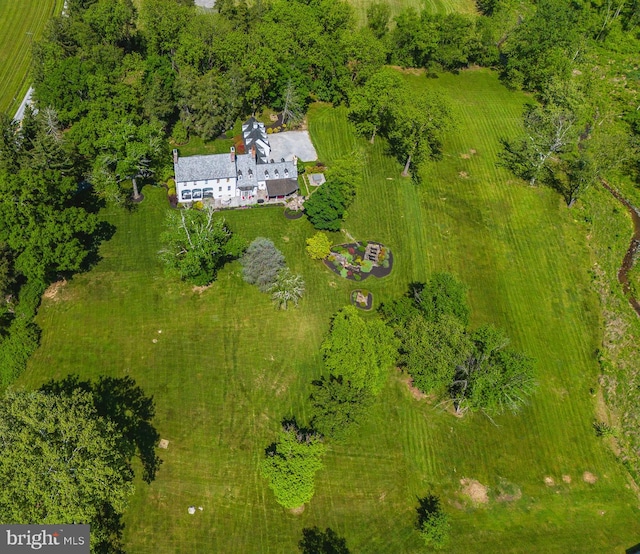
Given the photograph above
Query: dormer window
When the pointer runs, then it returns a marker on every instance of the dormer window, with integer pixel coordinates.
(276, 173)
(286, 172)
(239, 175)
(266, 174)
(250, 174)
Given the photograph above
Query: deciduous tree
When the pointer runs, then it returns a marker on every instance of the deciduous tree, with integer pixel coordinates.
(287, 289)
(291, 463)
(197, 244)
(431, 351)
(337, 406)
(495, 378)
(361, 351)
(61, 463)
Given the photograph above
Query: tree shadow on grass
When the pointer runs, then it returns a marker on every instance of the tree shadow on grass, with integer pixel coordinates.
(315, 541)
(427, 506)
(124, 403)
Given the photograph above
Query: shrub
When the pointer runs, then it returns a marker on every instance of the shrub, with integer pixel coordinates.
(367, 266)
(319, 246)
(433, 524)
(269, 130)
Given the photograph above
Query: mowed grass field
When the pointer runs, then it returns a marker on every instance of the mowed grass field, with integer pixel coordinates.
(225, 368)
(434, 6)
(21, 24)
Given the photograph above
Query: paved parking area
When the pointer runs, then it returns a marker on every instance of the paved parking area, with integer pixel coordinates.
(286, 144)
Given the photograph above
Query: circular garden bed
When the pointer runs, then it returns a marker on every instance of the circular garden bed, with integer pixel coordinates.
(293, 214)
(356, 260)
(362, 298)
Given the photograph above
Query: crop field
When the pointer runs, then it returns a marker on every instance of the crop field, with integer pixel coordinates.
(224, 367)
(434, 6)
(21, 24)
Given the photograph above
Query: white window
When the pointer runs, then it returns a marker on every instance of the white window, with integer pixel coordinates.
(219, 189)
(229, 187)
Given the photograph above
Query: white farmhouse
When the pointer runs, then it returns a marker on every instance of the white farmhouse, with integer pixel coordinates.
(236, 179)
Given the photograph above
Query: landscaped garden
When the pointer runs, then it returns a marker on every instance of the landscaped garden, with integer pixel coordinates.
(224, 366)
(356, 260)
(362, 298)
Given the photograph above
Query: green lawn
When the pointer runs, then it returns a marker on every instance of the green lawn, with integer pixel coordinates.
(21, 23)
(434, 6)
(226, 367)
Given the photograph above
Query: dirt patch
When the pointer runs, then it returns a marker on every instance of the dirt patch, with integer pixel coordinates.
(465, 156)
(549, 481)
(200, 290)
(475, 490)
(566, 478)
(409, 70)
(52, 291)
(164, 443)
(415, 391)
(463, 175)
(297, 511)
(589, 477)
(473, 151)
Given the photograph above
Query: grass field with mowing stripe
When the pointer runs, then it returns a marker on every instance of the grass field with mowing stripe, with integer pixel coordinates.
(434, 6)
(21, 24)
(225, 367)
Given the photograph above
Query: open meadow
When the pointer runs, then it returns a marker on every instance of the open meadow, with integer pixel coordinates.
(434, 6)
(21, 24)
(224, 367)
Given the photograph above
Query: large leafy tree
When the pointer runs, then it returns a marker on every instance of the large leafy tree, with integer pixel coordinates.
(371, 106)
(417, 127)
(495, 378)
(197, 244)
(337, 406)
(60, 463)
(432, 350)
(326, 207)
(291, 463)
(127, 151)
(40, 220)
(550, 130)
(361, 351)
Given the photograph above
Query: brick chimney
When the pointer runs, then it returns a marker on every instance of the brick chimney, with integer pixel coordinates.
(175, 155)
(253, 152)
(233, 154)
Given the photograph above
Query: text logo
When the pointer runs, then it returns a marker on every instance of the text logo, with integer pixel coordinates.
(67, 539)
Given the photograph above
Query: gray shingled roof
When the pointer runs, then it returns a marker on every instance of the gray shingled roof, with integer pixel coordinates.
(280, 168)
(281, 187)
(200, 168)
(254, 134)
